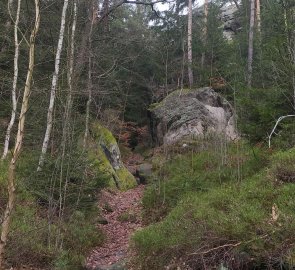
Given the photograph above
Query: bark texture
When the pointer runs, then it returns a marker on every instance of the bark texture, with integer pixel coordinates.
(15, 78)
(189, 43)
(250, 44)
(19, 139)
(53, 87)
(89, 83)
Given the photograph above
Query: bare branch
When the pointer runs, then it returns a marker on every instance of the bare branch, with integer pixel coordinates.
(121, 2)
(274, 128)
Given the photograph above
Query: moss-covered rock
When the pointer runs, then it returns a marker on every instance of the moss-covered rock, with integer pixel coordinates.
(104, 153)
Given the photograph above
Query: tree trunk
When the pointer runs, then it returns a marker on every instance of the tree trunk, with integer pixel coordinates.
(250, 45)
(89, 83)
(87, 118)
(258, 16)
(205, 31)
(15, 78)
(53, 87)
(19, 139)
(189, 43)
(67, 116)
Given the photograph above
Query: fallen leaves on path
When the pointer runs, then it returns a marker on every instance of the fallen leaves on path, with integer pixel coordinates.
(122, 211)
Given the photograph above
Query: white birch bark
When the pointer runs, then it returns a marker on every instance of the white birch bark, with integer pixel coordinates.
(53, 87)
(67, 117)
(5, 226)
(250, 44)
(15, 78)
(189, 43)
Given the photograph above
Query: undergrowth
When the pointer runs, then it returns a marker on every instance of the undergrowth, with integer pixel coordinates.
(208, 215)
(54, 221)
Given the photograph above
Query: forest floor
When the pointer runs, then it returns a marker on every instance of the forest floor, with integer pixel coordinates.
(121, 216)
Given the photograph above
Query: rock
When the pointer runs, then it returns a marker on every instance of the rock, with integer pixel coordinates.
(102, 220)
(143, 172)
(231, 24)
(192, 113)
(105, 154)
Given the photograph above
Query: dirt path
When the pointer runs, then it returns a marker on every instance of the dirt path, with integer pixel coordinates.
(122, 214)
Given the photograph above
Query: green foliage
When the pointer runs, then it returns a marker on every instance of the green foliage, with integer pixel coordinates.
(42, 233)
(199, 172)
(249, 222)
(259, 110)
(33, 238)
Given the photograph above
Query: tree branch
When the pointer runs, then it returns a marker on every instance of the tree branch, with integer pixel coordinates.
(121, 2)
(274, 128)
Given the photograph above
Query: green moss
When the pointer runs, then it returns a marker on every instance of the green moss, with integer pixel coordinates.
(101, 133)
(156, 105)
(127, 180)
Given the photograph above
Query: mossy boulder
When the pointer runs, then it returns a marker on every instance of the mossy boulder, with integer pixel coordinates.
(192, 113)
(105, 154)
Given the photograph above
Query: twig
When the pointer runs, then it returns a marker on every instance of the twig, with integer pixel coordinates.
(227, 245)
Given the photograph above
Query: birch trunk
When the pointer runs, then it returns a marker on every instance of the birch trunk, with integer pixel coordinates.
(205, 30)
(5, 226)
(53, 87)
(15, 78)
(189, 43)
(67, 117)
(250, 44)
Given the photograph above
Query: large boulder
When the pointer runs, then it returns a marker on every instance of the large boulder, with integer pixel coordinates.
(191, 113)
(105, 154)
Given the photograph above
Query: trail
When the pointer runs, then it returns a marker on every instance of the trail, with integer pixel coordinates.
(122, 212)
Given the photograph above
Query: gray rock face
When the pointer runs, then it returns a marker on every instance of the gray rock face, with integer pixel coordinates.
(194, 113)
(228, 16)
(231, 25)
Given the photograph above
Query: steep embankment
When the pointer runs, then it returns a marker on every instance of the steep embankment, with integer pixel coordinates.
(121, 216)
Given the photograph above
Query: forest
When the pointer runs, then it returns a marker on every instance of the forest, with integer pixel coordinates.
(147, 134)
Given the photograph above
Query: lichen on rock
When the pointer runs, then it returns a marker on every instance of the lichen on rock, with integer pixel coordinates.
(192, 113)
(105, 154)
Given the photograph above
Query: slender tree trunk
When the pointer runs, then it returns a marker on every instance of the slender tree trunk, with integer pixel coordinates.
(89, 83)
(15, 78)
(67, 117)
(189, 43)
(250, 45)
(87, 118)
(205, 31)
(19, 140)
(53, 87)
(258, 16)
